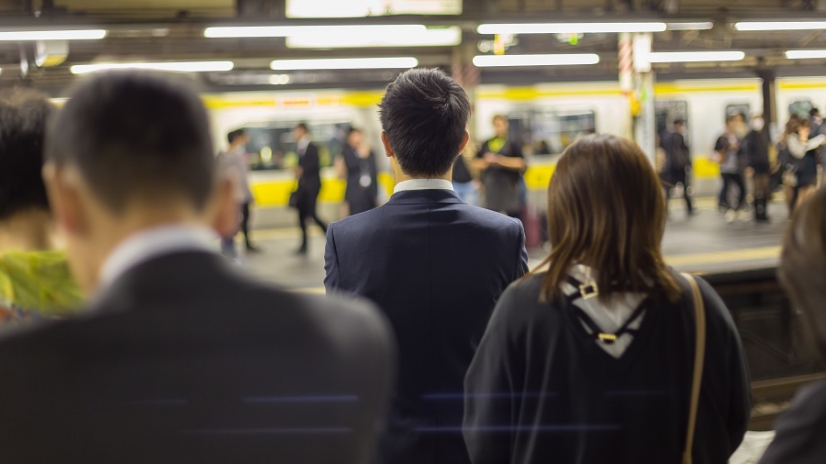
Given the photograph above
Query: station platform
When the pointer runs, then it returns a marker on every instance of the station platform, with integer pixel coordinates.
(704, 243)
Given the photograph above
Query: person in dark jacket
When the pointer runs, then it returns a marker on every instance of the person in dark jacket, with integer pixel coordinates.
(501, 163)
(435, 266)
(677, 169)
(362, 191)
(308, 173)
(591, 361)
(178, 358)
(757, 143)
(801, 428)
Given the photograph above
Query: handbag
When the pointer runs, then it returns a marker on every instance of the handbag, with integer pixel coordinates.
(699, 358)
(293, 202)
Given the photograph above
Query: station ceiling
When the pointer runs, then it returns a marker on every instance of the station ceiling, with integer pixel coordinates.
(173, 30)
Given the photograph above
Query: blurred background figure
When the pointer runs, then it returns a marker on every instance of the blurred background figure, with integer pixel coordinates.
(34, 277)
(308, 173)
(501, 162)
(235, 163)
(802, 272)
(179, 357)
(357, 165)
(464, 183)
(728, 155)
(677, 166)
(757, 144)
(591, 360)
(799, 156)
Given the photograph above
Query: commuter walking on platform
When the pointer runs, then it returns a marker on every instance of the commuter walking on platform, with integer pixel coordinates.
(433, 264)
(359, 164)
(729, 151)
(596, 360)
(501, 161)
(757, 143)
(466, 187)
(308, 173)
(802, 272)
(802, 164)
(677, 168)
(35, 280)
(236, 164)
(179, 358)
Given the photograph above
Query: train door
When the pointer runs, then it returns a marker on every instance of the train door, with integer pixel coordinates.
(549, 132)
(668, 111)
(801, 108)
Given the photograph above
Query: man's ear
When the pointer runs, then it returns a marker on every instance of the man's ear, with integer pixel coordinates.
(225, 208)
(464, 141)
(62, 186)
(388, 150)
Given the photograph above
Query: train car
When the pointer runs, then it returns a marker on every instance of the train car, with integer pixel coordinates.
(545, 117)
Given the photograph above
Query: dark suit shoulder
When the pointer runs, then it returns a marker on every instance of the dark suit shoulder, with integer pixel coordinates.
(800, 430)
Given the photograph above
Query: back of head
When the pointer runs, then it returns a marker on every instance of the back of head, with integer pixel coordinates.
(136, 137)
(23, 119)
(424, 116)
(606, 209)
(234, 135)
(802, 269)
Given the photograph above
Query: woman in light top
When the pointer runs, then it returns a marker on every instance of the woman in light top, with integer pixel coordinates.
(803, 150)
(591, 361)
(34, 278)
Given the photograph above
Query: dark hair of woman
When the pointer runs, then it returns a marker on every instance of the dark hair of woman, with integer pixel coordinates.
(606, 209)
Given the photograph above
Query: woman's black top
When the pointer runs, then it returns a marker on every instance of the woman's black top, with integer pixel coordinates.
(807, 169)
(540, 390)
(757, 151)
(503, 191)
(362, 189)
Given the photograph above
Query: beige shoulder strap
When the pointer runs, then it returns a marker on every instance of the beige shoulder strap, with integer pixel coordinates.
(699, 357)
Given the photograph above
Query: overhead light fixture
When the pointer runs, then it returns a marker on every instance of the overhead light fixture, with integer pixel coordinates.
(695, 57)
(366, 37)
(690, 26)
(279, 79)
(400, 62)
(68, 34)
(779, 25)
(172, 66)
(569, 28)
(240, 32)
(805, 54)
(484, 61)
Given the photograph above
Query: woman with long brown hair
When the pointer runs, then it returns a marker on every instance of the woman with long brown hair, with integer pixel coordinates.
(591, 361)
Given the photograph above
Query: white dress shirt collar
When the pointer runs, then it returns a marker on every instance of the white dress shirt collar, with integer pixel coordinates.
(423, 184)
(152, 243)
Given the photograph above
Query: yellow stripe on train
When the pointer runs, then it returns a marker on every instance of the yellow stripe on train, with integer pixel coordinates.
(272, 193)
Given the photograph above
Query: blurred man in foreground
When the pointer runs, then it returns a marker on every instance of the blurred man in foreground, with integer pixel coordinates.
(177, 359)
(434, 264)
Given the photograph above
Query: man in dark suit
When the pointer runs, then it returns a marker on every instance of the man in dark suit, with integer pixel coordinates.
(433, 264)
(178, 358)
(308, 173)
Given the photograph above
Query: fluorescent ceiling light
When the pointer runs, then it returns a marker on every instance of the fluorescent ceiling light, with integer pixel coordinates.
(690, 26)
(360, 8)
(72, 34)
(365, 37)
(401, 62)
(304, 31)
(805, 54)
(569, 28)
(779, 25)
(484, 61)
(173, 66)
(694, 57)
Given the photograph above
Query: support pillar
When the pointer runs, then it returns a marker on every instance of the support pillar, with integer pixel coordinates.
(644, 124)
(769, 97)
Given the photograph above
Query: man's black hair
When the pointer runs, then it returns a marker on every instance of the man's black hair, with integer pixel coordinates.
(814, 112)
(23, 119)
(235, 134)
(136, 135)
(424, 115)
(679, 122)
(303, 126)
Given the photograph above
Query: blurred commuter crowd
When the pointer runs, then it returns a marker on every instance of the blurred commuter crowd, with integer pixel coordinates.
(127, 338)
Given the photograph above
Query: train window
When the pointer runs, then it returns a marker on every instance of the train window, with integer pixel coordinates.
(272, 146)
(548, 132)
(741, 108)
(668, 111)
(801, 108)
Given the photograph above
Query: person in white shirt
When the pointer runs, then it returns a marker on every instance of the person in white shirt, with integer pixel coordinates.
(235, 163)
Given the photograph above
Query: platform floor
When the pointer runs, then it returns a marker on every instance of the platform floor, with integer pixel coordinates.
(704, 243)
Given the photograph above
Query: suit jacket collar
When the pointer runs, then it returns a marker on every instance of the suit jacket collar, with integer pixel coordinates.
(413, 197)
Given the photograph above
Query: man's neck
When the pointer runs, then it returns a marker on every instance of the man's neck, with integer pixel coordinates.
(30, 230)
(401, 176)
